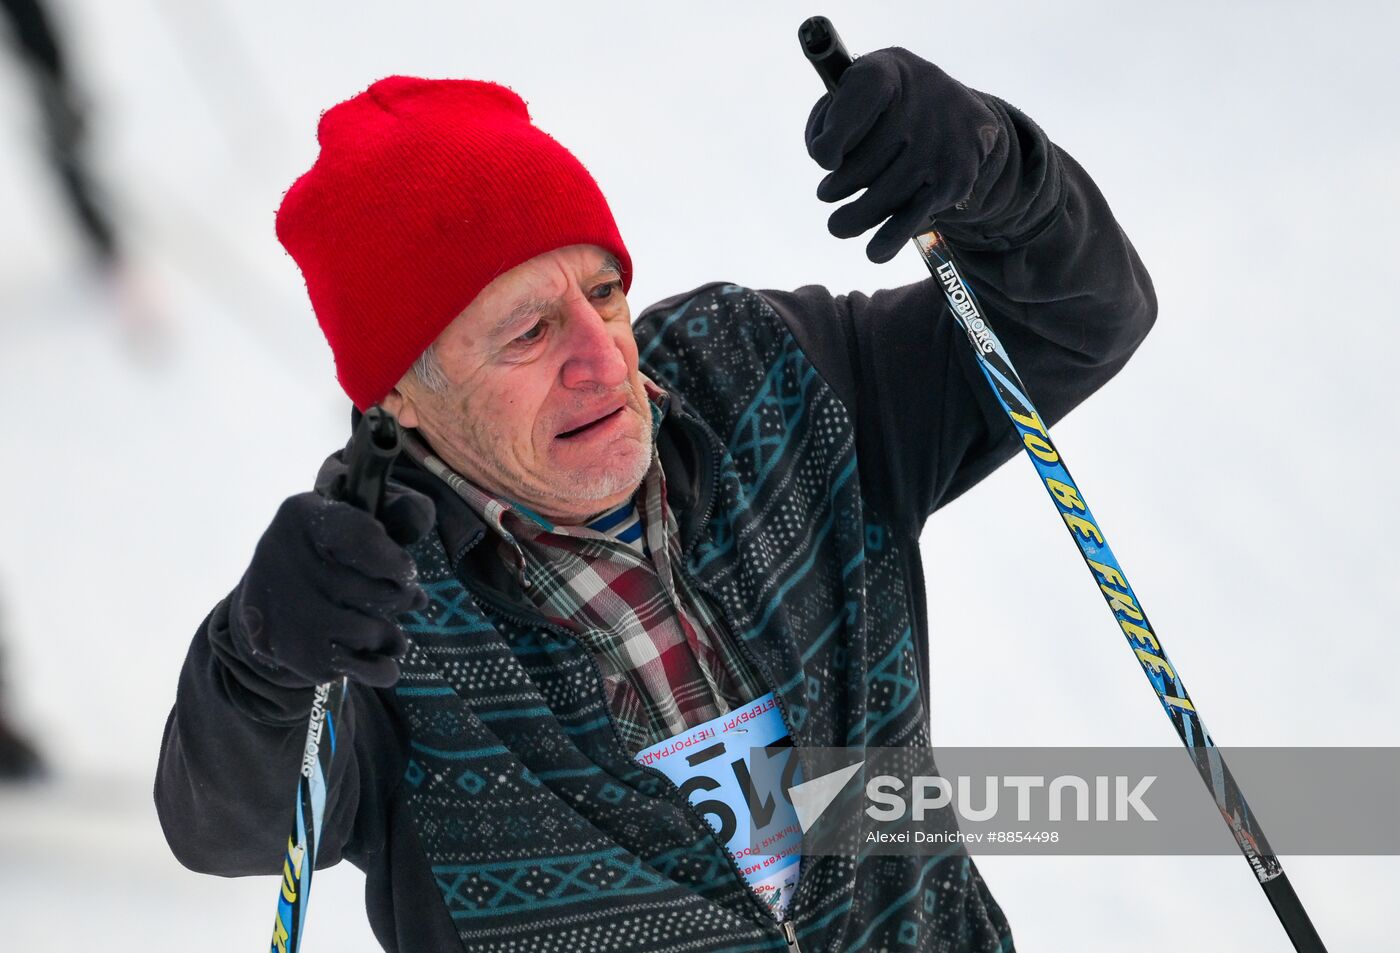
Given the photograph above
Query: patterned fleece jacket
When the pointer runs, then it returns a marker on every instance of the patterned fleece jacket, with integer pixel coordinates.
(487, 796)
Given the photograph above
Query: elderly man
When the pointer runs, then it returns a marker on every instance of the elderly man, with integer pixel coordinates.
(604, 534)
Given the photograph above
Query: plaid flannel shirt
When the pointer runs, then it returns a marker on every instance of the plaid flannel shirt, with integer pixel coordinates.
(666, 659)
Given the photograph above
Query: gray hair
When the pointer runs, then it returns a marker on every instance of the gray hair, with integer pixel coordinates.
(428, 371)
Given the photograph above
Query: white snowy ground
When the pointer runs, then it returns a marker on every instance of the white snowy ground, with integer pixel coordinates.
(1239, 464)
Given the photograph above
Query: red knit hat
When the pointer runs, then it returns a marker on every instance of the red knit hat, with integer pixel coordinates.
(423, 192)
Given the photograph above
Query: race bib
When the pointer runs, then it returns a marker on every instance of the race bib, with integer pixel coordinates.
(741, 792)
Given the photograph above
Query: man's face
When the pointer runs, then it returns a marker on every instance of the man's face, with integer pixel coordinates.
(545, 404)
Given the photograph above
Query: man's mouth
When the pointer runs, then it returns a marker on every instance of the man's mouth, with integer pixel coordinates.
(592, 424)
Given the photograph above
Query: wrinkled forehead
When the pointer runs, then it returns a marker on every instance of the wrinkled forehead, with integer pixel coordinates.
(530, 289)
(572, 263)
(536, 285)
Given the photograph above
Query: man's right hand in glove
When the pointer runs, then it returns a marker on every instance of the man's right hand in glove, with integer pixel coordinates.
(319, 599)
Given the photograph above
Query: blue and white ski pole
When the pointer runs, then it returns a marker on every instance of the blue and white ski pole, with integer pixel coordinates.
(373, 447)
(828, 55)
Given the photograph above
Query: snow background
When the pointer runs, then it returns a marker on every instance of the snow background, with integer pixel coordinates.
(1238, 465)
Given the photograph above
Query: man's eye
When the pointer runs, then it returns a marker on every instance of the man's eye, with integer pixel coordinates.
(604, 292)
(533, 334)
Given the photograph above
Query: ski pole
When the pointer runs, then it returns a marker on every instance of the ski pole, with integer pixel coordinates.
(373, 448)
(828, 55)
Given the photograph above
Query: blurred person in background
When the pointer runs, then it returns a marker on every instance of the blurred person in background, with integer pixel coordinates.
(64, 119)
(62, 115)
(19, 759)
(602, 534)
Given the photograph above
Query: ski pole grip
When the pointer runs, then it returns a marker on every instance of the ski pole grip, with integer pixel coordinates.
(824, 49)
(373, 447)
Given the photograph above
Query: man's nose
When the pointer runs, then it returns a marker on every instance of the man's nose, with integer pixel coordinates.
(593, 355)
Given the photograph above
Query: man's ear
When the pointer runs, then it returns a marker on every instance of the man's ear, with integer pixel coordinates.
(400, 403)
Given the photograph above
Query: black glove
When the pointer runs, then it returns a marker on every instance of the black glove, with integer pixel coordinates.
(913, 137)
(326, 581)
